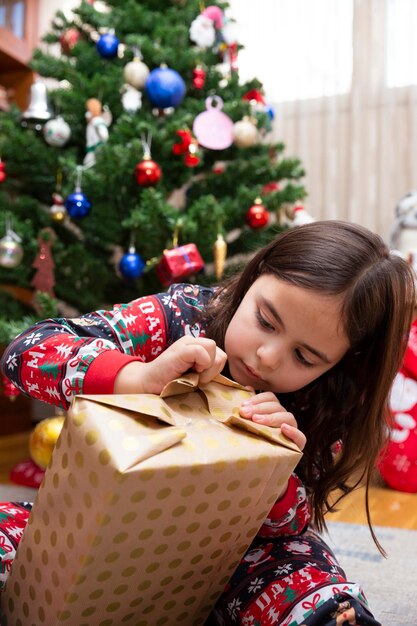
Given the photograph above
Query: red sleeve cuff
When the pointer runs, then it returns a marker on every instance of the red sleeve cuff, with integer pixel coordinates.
(284, 504)
(102, 371)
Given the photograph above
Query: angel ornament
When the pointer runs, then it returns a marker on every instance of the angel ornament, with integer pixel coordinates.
(97, 132)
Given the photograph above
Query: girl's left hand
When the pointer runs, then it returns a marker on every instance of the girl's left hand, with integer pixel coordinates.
(265, 408)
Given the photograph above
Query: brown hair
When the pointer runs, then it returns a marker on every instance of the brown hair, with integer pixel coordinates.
(349, 402)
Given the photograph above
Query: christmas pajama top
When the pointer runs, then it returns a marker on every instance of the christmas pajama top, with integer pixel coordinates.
(288, 576)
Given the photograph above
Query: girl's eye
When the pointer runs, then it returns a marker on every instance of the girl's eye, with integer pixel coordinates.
(263, 322)
(299, 356)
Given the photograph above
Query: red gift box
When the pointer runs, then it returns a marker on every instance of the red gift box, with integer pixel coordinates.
(178, 263)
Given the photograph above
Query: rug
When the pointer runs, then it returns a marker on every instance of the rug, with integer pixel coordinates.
(390, 584)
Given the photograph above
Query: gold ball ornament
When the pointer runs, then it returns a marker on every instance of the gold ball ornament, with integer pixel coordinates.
(136, 73)
(43, 439)
(57, 211)
(245, 133)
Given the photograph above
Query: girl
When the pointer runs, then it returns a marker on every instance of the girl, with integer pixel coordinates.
(320, 317)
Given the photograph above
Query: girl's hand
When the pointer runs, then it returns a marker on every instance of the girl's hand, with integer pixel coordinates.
(197, 353)
(265, 408)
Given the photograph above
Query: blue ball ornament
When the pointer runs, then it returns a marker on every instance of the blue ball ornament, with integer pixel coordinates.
(77, 205)
(108, 45)
(269, 109)
(131, 265)
(165, 88)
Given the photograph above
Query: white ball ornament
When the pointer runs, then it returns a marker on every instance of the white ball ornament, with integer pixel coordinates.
(57, 132)
(135, 73)
(245, 133)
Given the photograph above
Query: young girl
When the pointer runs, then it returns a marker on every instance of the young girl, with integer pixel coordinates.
(319, 317)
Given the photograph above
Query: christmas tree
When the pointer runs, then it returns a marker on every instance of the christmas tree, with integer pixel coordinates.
(145, 155)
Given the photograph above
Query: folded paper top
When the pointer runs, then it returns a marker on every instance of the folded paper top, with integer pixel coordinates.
(175, 405)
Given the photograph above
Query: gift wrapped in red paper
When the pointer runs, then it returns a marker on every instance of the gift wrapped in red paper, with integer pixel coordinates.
(179, 262)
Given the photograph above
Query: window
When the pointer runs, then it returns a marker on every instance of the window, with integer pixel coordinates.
(401, 51)
(12, 16)
(303, 51)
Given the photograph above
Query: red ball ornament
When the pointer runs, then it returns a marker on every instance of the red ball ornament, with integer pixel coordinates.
(69, 39)
(3, 174)
(147, 173)
(9, 389)
(257, 216)
(199, 77)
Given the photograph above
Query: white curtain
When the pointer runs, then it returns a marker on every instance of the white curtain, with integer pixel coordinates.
(342, 78)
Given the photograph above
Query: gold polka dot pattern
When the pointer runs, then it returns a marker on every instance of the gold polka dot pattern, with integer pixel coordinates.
(145, 511)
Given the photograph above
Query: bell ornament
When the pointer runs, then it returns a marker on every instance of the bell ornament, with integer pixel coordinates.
(38, 111)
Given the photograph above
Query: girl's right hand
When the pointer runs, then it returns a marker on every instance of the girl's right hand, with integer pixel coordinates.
(196, 353)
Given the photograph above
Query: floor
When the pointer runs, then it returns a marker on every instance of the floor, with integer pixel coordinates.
(388, 507)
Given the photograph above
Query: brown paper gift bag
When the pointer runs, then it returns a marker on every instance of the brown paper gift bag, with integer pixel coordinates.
(146, 509)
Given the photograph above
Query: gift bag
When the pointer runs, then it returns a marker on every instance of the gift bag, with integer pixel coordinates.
(146, 508)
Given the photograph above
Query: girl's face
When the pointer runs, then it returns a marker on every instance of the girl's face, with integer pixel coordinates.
(283, 337)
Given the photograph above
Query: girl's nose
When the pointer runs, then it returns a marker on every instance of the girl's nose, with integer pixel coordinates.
(270, 356)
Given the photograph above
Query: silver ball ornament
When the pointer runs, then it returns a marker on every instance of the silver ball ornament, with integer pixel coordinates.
(11, 252)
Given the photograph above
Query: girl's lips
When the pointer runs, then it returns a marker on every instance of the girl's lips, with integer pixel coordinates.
(251, 372)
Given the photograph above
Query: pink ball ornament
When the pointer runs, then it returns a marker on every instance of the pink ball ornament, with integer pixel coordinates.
(213, 128)
(215, 14)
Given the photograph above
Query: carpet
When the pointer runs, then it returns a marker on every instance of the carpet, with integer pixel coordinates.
(390, 584)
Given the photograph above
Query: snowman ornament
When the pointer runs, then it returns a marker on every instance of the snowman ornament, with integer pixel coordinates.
(403, 235)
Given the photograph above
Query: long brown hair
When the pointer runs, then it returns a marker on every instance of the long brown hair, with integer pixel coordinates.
(349, 402)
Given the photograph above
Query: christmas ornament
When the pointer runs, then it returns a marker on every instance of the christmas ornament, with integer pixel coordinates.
(44, 279)
(187, 146)
(136, 73)
(245, 133)
(9, 389)
(96, 131)
(229, 45)
(147, 172)
(27, 473)
(199, 77)
(165, 87)
(69, 39)
(270, 111)
(254, 96)
(57, 211)
(131, 98)
(38, 112)
(131, 265)
(270, 188)
(219, 167)
(3, 174)
(215, 14)
(220, 252)
(77, 204)
(213, 128)
(257, 216)
(179, 262)
(43, 439)
(107, 45)
(300, 216)
(191, 158)
(202, 32)
(57, 132)
(11, 252)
